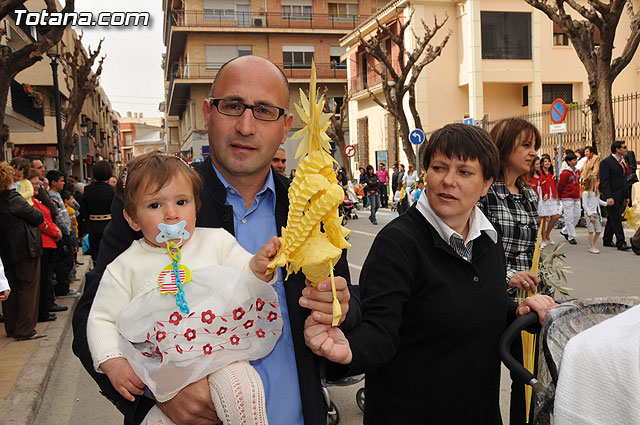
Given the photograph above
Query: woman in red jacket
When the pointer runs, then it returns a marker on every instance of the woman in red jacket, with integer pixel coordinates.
(549, 208)
(50, 234)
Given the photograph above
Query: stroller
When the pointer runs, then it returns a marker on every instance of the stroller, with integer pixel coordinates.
(563, 322)
(347, 209)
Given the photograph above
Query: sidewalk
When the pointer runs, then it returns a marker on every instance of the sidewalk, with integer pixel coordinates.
(21, 387)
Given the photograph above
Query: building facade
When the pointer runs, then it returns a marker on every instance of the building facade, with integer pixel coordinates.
(99, 134)
(201, 35)
(140, 135)
(504, 58)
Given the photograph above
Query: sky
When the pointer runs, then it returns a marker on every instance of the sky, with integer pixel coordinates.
(131, 74)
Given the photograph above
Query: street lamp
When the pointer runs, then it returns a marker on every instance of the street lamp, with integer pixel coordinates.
(392, 84)
(54, 56)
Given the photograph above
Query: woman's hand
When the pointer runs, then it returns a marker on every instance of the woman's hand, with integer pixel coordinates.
(524, 280)
(538, 303)
(5, 294)
(545, 197)
(327, 341)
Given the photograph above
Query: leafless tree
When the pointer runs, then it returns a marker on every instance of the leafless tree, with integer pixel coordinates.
(598, 60)
(336, 129)
(11, 63)
(400, 74)
(81, 82)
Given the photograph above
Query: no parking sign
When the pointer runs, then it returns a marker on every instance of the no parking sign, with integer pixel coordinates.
(350, 151)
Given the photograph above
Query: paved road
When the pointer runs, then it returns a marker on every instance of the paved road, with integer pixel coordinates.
(72, 397)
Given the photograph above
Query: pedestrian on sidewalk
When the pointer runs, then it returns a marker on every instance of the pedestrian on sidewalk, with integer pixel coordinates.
(614, 190)
(383, 176)
(51, 234)
(569, 193)
(96, 205)
(549, 208)
(591, 204)
(20, 253)
(372, 190)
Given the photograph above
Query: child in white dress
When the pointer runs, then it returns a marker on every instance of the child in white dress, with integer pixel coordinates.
(591, 204)
(183, 303)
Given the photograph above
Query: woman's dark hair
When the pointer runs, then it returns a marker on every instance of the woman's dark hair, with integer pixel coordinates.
(464, 142)
(593, 149)
(102, 171)
(369, 168)
(532, 169)
(506, 133)
(546, 156)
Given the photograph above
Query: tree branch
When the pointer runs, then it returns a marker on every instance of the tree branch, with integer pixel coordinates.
(631, 46)
(8, 6)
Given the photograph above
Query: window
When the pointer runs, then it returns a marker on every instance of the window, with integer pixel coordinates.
(343, 11)
(335, 102)
(525, 95)
(219, 9)
(296, 13)
(335, 52)
(216, 56)
(560, 38)
(297, 57)
(506, 35)
(551, 92)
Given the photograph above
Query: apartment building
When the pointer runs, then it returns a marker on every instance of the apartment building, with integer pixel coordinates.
(201, 35)
(504, 58)
(140, 135)
(32, 97)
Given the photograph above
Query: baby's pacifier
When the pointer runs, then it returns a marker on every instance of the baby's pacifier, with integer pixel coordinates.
(170, 232)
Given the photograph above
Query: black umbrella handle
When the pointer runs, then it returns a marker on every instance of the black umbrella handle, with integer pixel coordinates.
(521, 374)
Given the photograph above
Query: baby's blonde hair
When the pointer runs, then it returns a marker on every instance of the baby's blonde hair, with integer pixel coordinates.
(591, 185)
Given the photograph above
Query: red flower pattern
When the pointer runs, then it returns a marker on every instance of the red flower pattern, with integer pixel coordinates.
(161, 335)
(259, 304)
(175, 318)
(178, 349)
(272, 316)
(260, 333)
(207, 349)
(238, 313)
(234, 340)
(208, 316)
(248, 324)
(144, 353)
(190, 334)
(221, 330)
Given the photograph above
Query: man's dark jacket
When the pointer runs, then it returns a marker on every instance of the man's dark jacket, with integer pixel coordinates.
(214, 213)
(19, 227)
(613, 182)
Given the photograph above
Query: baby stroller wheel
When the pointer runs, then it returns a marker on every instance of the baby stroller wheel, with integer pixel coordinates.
(333, 417)
(360, 398)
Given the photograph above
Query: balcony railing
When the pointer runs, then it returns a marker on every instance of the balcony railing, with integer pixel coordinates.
(367, 79)
(23, 104)
(230, 18)
(209, 70)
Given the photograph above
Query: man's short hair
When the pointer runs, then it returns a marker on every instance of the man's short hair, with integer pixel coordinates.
(570, 156)
(464, 142)
(54, 175)
(616, 145)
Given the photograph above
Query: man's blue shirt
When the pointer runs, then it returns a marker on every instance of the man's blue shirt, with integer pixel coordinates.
(253, 227)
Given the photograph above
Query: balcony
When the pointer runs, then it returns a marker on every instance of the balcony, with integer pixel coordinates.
(22, 108)
(365, 80)
(183, 75)
(233, 19)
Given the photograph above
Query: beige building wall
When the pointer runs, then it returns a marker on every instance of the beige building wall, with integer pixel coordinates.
(461, 84)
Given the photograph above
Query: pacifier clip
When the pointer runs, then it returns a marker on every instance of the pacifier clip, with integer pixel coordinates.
(173, 276)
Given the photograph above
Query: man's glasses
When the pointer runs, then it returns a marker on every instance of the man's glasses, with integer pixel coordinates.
(235, 108)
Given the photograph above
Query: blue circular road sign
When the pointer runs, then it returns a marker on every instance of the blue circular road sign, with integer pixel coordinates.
(416, 136)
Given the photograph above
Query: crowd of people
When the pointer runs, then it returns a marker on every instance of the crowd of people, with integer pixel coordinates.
(585, 184)
(44, 216)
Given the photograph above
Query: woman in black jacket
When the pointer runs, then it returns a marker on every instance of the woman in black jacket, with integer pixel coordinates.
(433, 299)
(95, 206)
(20, 251)
(372, 191)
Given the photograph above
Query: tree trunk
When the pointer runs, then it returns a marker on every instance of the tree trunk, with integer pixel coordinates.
(407, 146)
(602, 114)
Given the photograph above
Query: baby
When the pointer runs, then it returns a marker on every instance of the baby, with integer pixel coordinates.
(183, 302)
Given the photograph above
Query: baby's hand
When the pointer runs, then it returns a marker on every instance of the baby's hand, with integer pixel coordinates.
(122, 377)
(263, 257)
